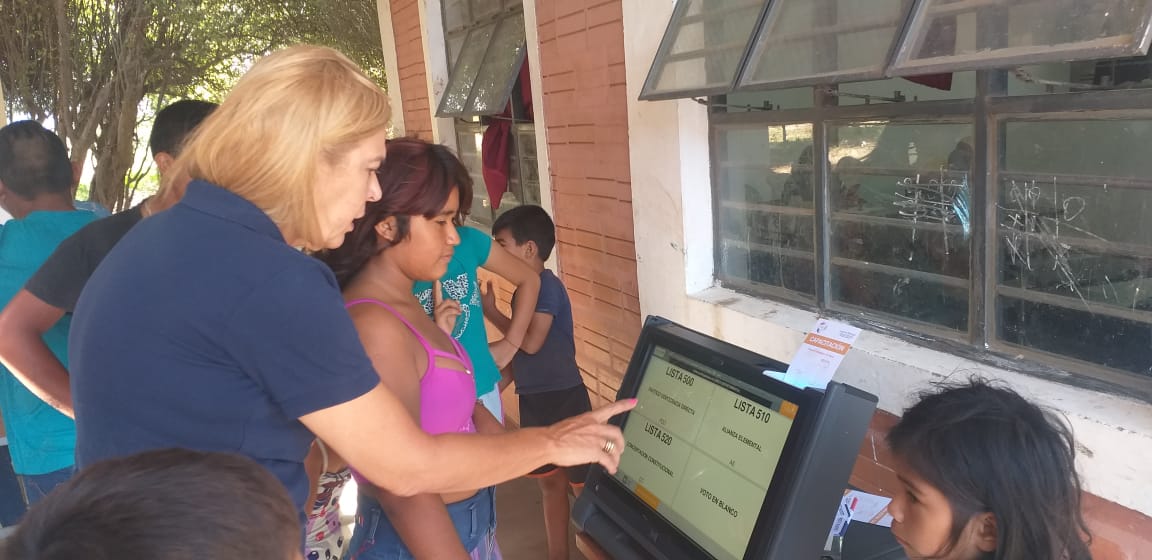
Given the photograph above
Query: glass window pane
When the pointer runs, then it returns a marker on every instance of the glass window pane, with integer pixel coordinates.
(947, 35)
(456, 14)
(702, 47)
(455, 45)
(501, 65)
(899, 295)
(469, 138)
(484, 8)
(1060, 330)
(901, 233)
(526, 170)
(765, 205)
(1074, 243)
(464, 72)
(821, 41)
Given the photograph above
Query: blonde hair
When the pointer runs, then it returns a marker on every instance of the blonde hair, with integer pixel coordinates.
(266, 140)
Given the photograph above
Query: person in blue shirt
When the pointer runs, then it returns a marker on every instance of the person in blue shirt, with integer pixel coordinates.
(209, 326)
(36, 189)
(547, 378)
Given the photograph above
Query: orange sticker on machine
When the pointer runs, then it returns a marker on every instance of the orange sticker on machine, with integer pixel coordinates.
(824, 348)
(788, 409)
(648, 497)
(827, 343)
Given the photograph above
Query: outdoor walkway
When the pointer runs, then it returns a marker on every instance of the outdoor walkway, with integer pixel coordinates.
(520, 518)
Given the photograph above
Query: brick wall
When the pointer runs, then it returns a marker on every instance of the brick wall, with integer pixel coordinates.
(586, 114)
(412, 81)
(1118, 532)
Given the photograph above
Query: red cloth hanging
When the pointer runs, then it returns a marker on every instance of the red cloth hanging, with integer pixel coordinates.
(496, 146)
(496, 152)
(937, 81)
(526, 89)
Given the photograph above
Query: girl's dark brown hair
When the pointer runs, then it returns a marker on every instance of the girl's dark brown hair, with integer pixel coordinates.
(416, 179)
(987, 449)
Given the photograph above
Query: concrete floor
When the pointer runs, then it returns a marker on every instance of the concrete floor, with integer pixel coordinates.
(520, 522)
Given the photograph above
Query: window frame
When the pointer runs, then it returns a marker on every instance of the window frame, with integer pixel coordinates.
(756, 49)
(526, 192)
(987, 110)
(648, 91)
(898, 62)
(902, 64)
(774, 292)
(945, 114)
(499, 19)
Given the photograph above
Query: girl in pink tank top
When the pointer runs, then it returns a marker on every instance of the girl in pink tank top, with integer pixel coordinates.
(405, 237)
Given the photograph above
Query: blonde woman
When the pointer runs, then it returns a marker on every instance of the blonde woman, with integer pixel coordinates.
(208, 327)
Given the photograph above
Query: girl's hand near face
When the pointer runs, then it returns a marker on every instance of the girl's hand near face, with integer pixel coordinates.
(445, 311)
(488, 297)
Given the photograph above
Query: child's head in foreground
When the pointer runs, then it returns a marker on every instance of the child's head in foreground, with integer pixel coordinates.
(986, 475)
(170, 504)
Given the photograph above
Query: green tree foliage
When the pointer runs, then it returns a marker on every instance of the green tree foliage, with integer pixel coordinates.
(89, 65)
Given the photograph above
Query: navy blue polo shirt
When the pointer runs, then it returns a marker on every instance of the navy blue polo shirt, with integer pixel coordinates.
(203, 329)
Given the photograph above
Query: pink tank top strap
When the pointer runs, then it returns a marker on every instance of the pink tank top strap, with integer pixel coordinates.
(447, 395)
(459, 355)
(423, 341)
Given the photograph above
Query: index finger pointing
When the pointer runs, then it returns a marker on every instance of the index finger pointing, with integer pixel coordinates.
(437, 293)
(604, 413)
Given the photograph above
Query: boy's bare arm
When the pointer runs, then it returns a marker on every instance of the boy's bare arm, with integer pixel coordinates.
(527, 282)
(537, 332)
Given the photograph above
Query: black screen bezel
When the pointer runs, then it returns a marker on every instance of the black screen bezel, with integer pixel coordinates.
(645, 524)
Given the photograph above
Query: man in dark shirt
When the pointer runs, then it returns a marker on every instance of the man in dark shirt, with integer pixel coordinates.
(54, 289)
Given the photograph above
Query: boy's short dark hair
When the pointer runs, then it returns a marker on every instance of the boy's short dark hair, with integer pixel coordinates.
(34, 161)
(174, 122)
(529, 223)
(171, 504)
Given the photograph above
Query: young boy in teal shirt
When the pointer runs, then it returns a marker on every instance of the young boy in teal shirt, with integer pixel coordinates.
(547, 378)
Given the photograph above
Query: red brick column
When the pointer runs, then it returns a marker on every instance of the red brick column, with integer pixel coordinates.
(412, 81)
(586, 115)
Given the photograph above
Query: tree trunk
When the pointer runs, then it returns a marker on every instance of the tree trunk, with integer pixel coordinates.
(63, 111)
(115, 149)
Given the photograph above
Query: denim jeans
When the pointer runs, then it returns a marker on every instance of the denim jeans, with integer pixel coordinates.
(36, 486)
(11, 496)
(376, 539)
